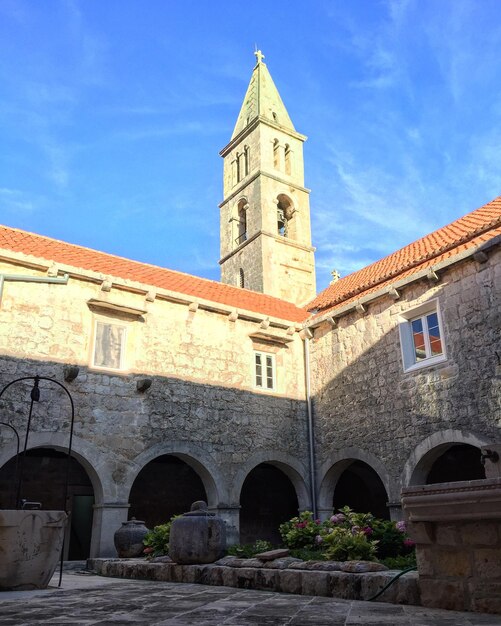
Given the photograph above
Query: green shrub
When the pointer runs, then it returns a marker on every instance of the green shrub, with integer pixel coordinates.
(306, 554)
(248, 550)
(403, 561)
(156, 541)
(301, 532)
(345, 544)
(391, 540)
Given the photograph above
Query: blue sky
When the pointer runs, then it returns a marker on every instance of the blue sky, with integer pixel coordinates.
(112, 114)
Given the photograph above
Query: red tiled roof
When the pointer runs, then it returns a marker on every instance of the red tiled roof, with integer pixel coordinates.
(467, 232)
(85, 258)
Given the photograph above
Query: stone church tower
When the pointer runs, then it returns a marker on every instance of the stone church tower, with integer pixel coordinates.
(265, 214)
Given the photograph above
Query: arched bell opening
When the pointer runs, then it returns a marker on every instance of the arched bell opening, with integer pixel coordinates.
(286, 224)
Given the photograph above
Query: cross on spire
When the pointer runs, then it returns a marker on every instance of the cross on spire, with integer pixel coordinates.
(259, 56)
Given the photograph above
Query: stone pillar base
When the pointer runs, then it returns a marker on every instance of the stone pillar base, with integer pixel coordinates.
(108, 518)
(231, 517)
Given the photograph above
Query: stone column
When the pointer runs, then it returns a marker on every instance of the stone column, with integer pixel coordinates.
(231, 516)
(108, 518)
(325, 513)
(395, 509)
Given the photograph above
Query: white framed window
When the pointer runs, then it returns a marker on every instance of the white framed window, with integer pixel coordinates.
(422, 337)
(264, 370)
(109, 346)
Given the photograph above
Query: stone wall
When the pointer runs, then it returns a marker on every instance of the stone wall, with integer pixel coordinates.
(202, 405)
(368, 408)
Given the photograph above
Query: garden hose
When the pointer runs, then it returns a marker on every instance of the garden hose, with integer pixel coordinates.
(409, 569)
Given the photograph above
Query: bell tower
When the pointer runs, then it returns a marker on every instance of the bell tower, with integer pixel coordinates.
(265, 213)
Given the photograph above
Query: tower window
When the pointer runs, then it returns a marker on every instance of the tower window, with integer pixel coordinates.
(246, 160)
(239, 172)
(287, 159)
(241, 278)
(241, 221)
(276, 156)
(275, 117)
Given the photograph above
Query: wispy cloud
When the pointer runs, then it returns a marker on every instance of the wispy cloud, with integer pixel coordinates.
(16, 201)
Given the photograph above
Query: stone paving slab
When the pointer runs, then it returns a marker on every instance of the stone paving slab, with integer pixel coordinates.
(98, 601)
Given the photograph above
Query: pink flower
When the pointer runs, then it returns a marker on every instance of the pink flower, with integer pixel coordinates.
(148, 550)
(319, 539)
(334, 519)
(317, 521)
(401, 526)
(367, 530)
(355, 530)
(408, 543)
(341, 517)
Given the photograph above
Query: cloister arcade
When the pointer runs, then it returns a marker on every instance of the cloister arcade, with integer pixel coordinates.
(262, 493)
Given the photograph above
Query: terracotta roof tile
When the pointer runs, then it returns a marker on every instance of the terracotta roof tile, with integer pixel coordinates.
(469, 231)
(49, 249)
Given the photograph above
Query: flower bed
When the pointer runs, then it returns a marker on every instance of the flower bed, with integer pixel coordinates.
(348, 536)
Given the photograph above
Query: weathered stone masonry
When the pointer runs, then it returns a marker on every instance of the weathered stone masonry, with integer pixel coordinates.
(202, 404)
(368, 408)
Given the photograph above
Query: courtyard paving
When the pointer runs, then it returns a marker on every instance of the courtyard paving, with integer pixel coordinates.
(95, 600)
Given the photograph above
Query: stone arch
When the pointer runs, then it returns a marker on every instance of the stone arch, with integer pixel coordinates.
(430, 449)
(90, 484)
(240, 228)
(89, 457)
(271, 492)
(193, 455)
(285, 462)
(334, 467)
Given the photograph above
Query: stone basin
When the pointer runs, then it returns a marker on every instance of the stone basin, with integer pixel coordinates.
(30, 547)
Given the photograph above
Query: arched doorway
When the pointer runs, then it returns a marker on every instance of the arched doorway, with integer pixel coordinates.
(43, 481)
(267, 499)
(166, 486)
(458, 462)
(360, 488)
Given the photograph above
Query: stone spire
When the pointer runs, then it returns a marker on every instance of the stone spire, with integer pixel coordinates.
(262, 100)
